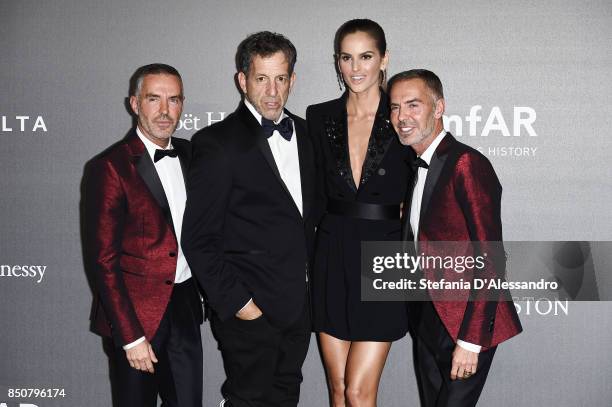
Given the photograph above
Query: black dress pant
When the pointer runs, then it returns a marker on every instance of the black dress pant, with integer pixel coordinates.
(433, 351)
(178, 347)
(263, 363)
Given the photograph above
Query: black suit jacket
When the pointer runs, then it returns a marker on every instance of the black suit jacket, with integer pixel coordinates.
(385, 175)
(243, 235)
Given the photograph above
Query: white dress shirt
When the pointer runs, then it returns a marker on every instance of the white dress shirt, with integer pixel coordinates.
(171, 176)
(286, 157)
(415, 210)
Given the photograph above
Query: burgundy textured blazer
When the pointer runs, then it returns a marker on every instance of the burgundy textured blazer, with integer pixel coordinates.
(462, 202)
(131, 248)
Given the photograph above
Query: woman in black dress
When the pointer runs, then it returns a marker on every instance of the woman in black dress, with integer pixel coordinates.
(365, 176)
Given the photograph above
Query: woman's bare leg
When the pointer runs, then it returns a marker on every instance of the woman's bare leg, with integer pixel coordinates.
(335, 352)
(364, 367)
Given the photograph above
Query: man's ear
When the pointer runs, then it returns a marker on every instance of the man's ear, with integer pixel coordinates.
(292, 80)
(242, 82)
(134, 104)
(440, 106)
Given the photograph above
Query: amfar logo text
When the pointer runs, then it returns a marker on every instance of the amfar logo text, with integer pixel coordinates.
(23, 124)
(522, 123)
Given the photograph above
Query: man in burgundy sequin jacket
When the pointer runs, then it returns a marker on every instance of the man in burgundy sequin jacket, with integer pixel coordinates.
(456, 197)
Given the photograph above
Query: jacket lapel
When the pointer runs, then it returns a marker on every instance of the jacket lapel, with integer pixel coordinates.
(306, 159)
(183, 148)
(146, 170)
(438, 160)
(380, 138)
(433, 173)
(263, 145)
(335, 127)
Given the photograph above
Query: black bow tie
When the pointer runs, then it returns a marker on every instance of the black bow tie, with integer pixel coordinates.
(159, 154)
(285, 127)
(419, 162)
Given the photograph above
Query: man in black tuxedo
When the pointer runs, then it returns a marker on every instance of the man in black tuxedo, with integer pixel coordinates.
(249, 229)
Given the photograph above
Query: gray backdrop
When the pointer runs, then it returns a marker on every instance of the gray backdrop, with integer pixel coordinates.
(69, 62)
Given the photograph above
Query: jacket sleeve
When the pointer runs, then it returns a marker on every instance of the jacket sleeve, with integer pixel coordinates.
(209, 188)
(313, 124)
(105, 211)
(479, 193)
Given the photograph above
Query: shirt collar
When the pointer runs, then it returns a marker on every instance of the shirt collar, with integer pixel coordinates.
(255, 113)
(151, 146)
(429, 152)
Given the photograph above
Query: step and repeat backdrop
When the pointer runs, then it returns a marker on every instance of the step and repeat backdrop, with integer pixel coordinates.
(527, 83)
